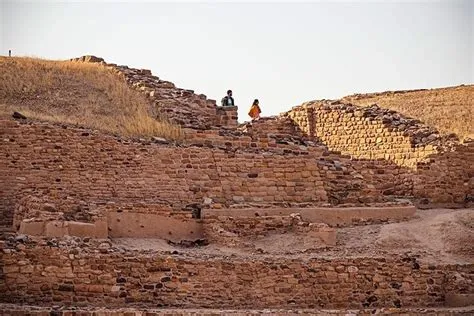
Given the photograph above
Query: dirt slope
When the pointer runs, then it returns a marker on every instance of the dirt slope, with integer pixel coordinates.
(87, 94)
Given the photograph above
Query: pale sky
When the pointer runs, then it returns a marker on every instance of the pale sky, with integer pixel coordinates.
(281, 53)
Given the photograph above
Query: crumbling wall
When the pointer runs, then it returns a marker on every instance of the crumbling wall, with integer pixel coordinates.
(447, 177)
(369, 133)
(230, 230)
(180, 106)
(41, 159)
(397, 155)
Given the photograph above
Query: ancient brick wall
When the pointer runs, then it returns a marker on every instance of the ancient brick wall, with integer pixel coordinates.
(70, 163)
(447, 177)
(368, 133)
(230, 230)
(386, 177)
(226, 116)
(51, 275)
(397, 155)
(279, 126)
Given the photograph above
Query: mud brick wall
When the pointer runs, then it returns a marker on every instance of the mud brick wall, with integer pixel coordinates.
(394, 154)
(226, 116)
(259, 178)
(230, 230)
(343, 180)
(367, 133)
(18, 310)
(345, 184)
(232, 140)
(280, 126)
(386, 177)
(447, 177)
(50, 275)
(56, 207)
(41, 159)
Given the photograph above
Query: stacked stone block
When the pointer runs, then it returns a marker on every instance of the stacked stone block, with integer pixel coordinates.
(70, 273)
(397, 155)
(369, 133)
(42, 159)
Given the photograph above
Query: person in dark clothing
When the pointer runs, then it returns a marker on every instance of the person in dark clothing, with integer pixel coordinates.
(228, 100)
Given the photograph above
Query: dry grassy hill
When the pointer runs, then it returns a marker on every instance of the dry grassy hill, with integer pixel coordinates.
(88, 94)
(450, 110)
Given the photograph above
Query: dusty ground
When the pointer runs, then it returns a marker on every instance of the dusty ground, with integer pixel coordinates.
(437, 235)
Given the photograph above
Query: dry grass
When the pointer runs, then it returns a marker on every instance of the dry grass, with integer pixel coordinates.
(78, 93)
(450, 110)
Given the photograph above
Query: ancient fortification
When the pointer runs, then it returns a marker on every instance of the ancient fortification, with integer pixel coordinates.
(327, 208)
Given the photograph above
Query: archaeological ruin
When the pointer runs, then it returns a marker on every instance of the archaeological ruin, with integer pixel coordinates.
(329, 208)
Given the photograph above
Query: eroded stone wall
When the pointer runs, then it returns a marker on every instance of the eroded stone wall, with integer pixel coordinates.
(368, 133)
(447, 177)
(230, 230)
(82, 276)
(71, 163)
(397, 155)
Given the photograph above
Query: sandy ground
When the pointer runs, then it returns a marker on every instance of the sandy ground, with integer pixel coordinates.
(435, 236)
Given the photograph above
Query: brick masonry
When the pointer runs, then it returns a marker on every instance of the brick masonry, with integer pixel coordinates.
(44, 274)
(73, 165)
(399, 155)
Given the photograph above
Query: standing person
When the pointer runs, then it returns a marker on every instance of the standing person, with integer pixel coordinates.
(255, 110)
(228, 100)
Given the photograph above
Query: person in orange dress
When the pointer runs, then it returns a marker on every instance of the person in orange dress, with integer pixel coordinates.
(255, 111)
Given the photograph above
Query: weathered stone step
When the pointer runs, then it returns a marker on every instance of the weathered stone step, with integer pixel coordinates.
(334, 216)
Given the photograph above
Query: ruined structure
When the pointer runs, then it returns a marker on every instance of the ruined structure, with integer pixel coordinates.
(71, 195)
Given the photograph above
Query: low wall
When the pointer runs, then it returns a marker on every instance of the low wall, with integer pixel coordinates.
(140, 225)
(334, 216)
(233, 230)
(57, 228)
(46, 275)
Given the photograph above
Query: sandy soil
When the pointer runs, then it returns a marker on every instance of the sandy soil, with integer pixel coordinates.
(437, 235)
